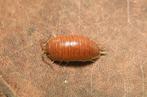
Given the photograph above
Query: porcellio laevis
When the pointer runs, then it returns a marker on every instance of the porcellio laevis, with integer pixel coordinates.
(70, 48)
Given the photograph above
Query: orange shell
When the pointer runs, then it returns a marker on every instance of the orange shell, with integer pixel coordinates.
(72, 48)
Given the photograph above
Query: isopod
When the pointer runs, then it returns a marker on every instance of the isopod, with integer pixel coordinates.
(70, 48)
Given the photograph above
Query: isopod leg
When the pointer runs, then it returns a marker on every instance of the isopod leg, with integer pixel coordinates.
(93, 60)
(44, 59)
(102, 53)
(43, 44)
(53, 35)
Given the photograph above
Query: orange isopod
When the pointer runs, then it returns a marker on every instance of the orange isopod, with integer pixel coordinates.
(70, 48)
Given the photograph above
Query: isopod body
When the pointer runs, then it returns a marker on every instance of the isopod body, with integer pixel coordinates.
(72, 48)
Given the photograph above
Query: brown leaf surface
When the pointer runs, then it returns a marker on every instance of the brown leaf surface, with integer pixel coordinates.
(120, 26)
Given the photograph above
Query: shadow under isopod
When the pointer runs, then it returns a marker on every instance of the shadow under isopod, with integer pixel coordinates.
(74, 64)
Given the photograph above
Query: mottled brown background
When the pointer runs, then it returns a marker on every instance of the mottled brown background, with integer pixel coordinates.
(120, 26)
